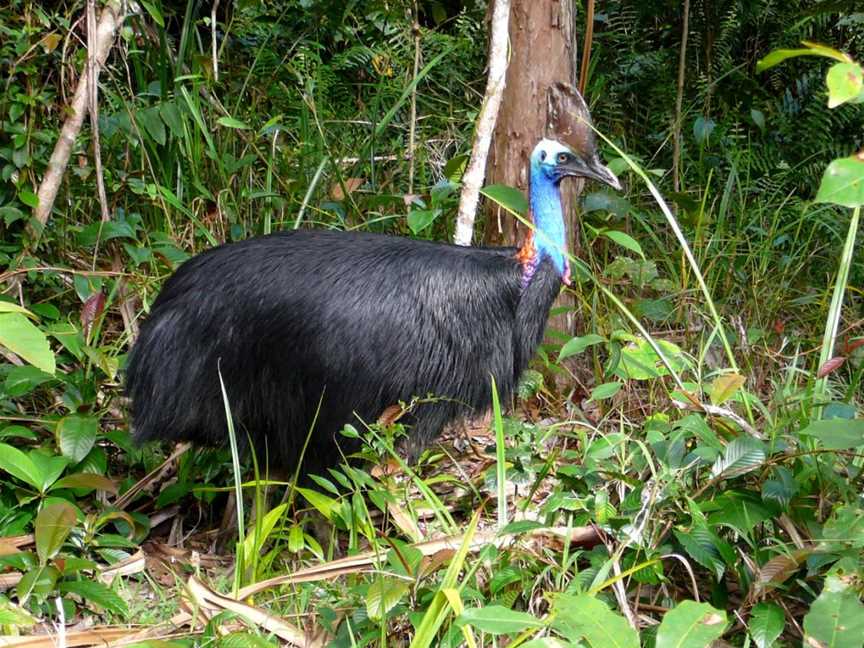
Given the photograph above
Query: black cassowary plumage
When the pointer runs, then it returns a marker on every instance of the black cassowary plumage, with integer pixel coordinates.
(336, 326)
(356, 322)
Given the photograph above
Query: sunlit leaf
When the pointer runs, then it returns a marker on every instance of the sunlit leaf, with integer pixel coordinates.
(497, 619)
(836, 618)
(843, 182)
(577, 345)
(845, 82)
(724, 387)
(588, 619)
(837, 433)
(741, 456)
(23, 338)
(508, 197)
(690, 624)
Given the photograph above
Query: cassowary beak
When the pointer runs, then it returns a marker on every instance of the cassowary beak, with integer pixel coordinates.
(595, 170)
(591, 168)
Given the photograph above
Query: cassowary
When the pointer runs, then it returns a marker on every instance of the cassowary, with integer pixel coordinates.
(334, 327)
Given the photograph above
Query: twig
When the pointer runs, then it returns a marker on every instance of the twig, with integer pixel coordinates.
(111, 18)
(213, 39)
(476, 171)
(586, 47)
(412, 133)
(676, 127)
(93, 66)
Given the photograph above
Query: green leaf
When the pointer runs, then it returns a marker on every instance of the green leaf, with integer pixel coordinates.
(724, 387)
(52, 527)
(230, 122)
(606, 390)
(758, 118)
(690, 625)
(38, 582)
(741, 456)
(151, 122)
(584, 617)
(843, 182)
(837, 433)
(383, 595)
(845, 82)
(497, 619)
(76, 435)
(624, 240)
(86, 480)
(509, 198)
(836, 618)
(12, 615)
(813, 49)
(9, 307)
(327, 506)
(21, 337)
(170, 114)
(97, 593)
(579, 344)
(420, 219)
(702, 129)
(20, 466)
(766, 624)
(23, 380)
(154, 12)
(701, 544)
(49, 466)
(28, 198)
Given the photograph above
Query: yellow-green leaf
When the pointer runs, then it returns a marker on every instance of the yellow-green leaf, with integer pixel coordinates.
(724, 387)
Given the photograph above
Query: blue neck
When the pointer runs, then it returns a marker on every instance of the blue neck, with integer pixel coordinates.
(550, 238)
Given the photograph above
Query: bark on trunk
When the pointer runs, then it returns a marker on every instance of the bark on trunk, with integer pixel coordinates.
(543, 51)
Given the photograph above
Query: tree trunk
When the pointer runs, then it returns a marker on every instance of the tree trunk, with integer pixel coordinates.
(543, 51)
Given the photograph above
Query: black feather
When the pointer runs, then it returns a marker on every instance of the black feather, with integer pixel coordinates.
(355, 322)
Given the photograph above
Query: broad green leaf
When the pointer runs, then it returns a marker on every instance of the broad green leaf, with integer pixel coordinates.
(843, 182)
(23, 380)
(231, 122)
(741, 456)
(497, 619)
(640, 362)
(21, 337)
(845, 82)
(586, 618)
(76, 435)
(606, 390)
(97, 593)
(702, 129)
(327, 506)
(68, 335)
(690, 625)
(86, 480)
(845, 527)
(766, 624)
(39, 582)
(624, 240)
(383, 595)
(579, 344)
(170, 114)
(52, 527)
(702, 545)
(836, 618)
(20, 466)
(812, 49)
(758, 118)
(48, 466)
(154, 12)
(151, 122)
(509, 198)
(420, 219)
(837, 433)
(724, 387)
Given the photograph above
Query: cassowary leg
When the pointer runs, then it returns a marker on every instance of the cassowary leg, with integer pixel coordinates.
(427, 423)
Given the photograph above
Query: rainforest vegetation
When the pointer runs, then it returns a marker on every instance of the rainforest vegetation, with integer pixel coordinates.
(682, 463)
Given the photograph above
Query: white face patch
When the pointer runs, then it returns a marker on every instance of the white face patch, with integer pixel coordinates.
(547, 150)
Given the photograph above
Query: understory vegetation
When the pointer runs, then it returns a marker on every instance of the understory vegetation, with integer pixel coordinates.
(685, 470)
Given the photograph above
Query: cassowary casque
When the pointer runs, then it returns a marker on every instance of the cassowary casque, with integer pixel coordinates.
(333, 327)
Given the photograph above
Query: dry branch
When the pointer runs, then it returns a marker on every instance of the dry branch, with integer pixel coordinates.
(111, 18)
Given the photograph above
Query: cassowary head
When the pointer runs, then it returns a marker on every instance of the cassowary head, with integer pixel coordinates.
(568, 124)
(556, 161)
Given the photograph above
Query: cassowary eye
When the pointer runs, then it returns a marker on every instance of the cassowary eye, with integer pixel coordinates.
(542, 156)
(562, 158)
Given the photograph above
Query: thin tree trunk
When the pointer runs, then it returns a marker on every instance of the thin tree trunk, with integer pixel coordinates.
(472, 181)
(110, 20)
(679, 100)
